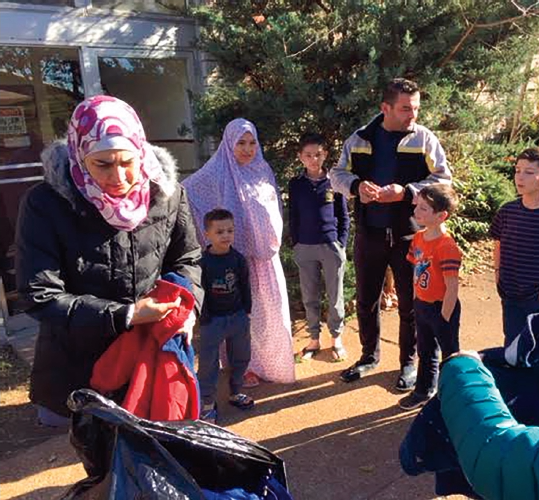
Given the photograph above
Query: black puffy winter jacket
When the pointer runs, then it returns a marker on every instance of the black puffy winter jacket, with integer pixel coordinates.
(77, 274)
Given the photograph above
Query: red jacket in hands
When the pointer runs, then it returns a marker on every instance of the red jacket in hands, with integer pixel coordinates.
(160, 387)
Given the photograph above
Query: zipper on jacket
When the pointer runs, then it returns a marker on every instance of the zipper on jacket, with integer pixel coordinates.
(132, 240)
(389, 236)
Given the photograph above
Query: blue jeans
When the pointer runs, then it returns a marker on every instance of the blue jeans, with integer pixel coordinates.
(234, 329)
(48, 418)
(434, 333)
(514, 313)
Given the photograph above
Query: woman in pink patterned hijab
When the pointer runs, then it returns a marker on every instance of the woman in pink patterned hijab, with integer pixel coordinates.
(238, 178)
(109, 219)
(111, 163)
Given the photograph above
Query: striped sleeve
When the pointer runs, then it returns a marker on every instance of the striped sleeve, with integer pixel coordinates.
(497, 225)
(436, 162)
(341, 176)
(450, 259)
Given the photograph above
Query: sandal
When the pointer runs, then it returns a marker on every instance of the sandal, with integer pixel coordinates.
(209, 413)
(306, 354)
(250, 379)
(339, 354)
(242, 401)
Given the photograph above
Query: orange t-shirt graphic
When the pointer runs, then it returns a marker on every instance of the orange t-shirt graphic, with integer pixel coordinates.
(433, 260)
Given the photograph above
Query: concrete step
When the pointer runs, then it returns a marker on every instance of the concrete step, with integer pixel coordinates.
(21, 332)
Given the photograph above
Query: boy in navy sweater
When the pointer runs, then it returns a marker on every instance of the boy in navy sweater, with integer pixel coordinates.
(515, 230)
(319, 225)
(225, 313)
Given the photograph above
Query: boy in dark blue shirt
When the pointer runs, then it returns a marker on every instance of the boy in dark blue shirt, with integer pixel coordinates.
(225, 313)
(515, 230)
(319, 225)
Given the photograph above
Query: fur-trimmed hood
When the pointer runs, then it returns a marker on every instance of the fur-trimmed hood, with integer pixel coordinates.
(56, 170)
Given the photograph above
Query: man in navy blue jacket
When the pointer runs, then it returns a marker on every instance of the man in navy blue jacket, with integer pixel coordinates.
(319, 225)
(382, 167)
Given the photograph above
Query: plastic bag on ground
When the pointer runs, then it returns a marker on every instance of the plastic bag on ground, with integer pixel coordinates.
(129, 457)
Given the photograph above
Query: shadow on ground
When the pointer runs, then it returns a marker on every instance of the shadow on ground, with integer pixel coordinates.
(43, 493)
(271, 398)
(348, 455)
(20, 431)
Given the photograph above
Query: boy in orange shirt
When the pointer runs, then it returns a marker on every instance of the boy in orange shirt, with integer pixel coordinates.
(436, 259)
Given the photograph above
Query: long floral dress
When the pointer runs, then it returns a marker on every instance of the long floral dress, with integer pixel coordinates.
(251, 194)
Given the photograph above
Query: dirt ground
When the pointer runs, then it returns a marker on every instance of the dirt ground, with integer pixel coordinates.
(339, 441)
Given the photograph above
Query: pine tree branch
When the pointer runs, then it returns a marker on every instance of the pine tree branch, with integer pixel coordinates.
(458, 45)
(326, 9)
(532, 10)
(305, 49)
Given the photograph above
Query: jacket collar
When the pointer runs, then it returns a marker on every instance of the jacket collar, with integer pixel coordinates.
(367, 131)
(303, 175)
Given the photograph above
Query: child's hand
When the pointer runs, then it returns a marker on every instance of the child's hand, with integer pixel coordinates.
(188, 326)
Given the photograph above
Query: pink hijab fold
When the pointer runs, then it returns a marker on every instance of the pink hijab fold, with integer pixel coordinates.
(248, 191)
(104, 122)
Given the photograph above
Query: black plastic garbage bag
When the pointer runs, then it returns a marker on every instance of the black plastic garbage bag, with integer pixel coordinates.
(127, 457)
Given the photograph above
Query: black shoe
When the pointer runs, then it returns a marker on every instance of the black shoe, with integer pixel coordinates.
(413, 401)
(357, 370)
(407, 379)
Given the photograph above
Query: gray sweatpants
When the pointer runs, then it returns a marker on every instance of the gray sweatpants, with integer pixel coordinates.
(313, 261)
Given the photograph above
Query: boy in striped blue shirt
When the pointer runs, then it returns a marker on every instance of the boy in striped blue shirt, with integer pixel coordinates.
(515, 230)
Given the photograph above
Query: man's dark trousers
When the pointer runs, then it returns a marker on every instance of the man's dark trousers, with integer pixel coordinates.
(374, 250)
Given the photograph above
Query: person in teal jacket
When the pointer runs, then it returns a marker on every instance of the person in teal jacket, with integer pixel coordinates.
(499, 456)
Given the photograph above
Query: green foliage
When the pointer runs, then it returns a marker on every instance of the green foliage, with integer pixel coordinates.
(291, 272)
(482, 190)
(291, 65)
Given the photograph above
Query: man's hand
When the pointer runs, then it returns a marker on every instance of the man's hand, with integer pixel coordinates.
(465, 353)
(148, 310)
(368, 191)
(391, 193)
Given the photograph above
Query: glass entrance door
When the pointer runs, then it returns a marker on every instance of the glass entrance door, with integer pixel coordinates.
(39, 89)
(157, 88)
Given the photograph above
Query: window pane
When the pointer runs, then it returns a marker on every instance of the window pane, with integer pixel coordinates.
(65, 3)
(162, 6)
(157, 90)
(39, 89)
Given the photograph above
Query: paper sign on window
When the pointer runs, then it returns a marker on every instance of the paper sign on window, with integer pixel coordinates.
(12, 120)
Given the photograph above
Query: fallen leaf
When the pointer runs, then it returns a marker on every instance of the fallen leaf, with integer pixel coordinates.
(367, 468)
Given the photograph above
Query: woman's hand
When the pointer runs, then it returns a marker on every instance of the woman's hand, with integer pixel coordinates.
(148, 310)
